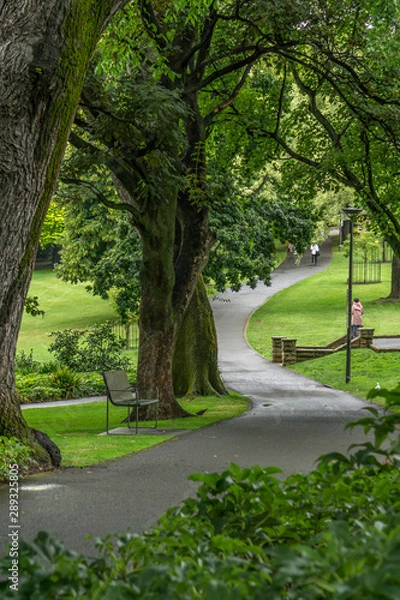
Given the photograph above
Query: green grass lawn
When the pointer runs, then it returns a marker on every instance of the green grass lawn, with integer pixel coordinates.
(314, 312)
(66, 306)
(367, 369)
(76, 428)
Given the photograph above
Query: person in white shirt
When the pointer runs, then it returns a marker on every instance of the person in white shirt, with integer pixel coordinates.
(314, 253)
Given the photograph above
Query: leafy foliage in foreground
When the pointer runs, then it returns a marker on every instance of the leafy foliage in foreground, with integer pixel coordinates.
(13, 452)
(331, 534)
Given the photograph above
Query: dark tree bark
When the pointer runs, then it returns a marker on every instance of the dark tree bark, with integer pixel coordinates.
(395, 281)
(195, 365)
(45, 47)
(176, 243)
(157, 319)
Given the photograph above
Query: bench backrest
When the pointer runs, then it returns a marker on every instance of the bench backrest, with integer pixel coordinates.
(118, 387)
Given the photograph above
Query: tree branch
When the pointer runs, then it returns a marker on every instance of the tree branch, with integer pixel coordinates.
(196, 83)
(208, 118)
(292, 153)
(366, 117)
(99, 194)
(315, 111)
(129, 178)
(345, 66)
(152, 24)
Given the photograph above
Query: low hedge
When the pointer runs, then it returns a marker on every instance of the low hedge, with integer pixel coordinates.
(62, 384)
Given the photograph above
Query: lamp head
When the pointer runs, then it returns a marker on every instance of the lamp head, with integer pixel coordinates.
(352, 211)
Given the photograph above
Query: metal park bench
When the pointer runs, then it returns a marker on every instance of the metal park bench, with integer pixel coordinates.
(121, 393)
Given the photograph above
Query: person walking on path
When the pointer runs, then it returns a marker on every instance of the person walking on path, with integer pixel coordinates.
(357, 313)
(314, 253)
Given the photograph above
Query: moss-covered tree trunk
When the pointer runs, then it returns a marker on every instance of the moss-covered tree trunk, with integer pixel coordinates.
(173, 301)
(44, 52)
(174, 310)
(195, 365)
(169, 284)
(157, 319)
(196, 351)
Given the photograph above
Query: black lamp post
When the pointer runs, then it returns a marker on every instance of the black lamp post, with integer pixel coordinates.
(351, 213)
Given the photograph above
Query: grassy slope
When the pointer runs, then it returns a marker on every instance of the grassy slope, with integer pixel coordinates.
(66, 306)
(314, 312)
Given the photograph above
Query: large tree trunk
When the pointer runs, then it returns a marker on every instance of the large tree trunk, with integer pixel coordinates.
(395, 284)
(168, 308)
(195, 366)
(158, 322)
(178, 344)
(196, 353)
(168, 284)
(45, 47)
(176, 243)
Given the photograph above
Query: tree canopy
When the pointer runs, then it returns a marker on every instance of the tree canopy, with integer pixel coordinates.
(337, 114)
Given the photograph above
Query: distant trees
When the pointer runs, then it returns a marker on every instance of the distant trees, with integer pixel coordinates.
(336, 121)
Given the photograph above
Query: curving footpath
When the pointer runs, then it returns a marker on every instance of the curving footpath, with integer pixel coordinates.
(292, 420)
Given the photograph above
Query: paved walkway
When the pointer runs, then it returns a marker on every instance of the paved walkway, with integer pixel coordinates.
(387, 343)
(292, 421)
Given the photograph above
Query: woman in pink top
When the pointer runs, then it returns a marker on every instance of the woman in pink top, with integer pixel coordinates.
(357, 312)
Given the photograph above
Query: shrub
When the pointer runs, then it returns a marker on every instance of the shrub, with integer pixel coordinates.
(59, 384)
(66, 347)
(93, 349)
(25, 363)
(67, 382)
(35, 387)
(332, 534)
(13, 452)
(49, 367)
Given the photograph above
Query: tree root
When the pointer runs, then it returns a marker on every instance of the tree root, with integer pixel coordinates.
(49, 446)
